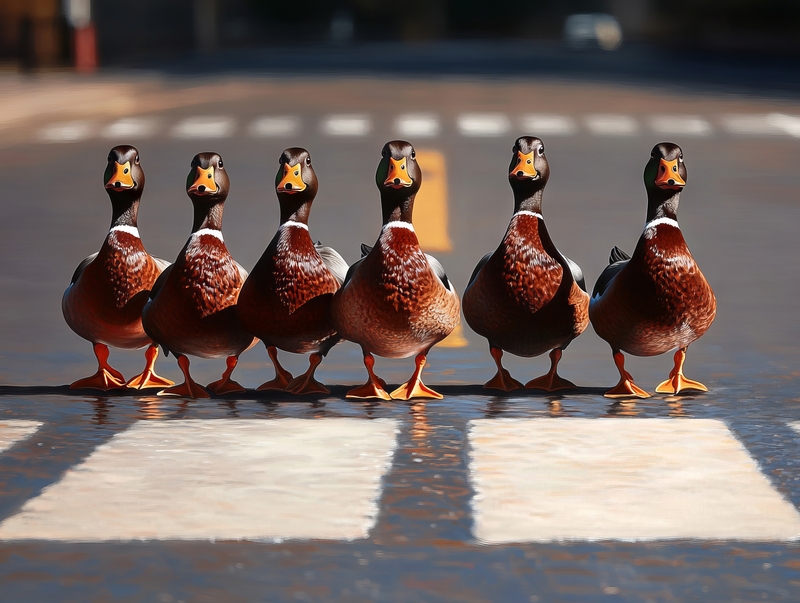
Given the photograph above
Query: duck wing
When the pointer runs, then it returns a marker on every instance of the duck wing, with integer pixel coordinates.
(82, 266)
(616, 262)
(478, 268)
(577, 273)
(162, 264)
(365, 249)
(162, 278)
(438, 269)
(334, 261)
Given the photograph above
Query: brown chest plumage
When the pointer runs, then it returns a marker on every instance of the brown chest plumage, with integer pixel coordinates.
(127, 267)
(209, 275)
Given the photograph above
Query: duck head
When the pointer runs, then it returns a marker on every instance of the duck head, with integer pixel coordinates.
(296, 184)
(398, 178)
(664, 178)
(528, 173)
(124, 183)
(207, 186)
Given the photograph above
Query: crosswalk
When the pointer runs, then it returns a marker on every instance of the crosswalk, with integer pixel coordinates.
(425, 125)
(534, 480)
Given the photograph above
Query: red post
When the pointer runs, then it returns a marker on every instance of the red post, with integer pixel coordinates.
(85, 49)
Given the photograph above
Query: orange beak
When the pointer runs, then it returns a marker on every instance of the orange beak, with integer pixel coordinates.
(524, 168)
(204, 183)
(398, 174)
(292, 181)
(668, 175)
(122, 178)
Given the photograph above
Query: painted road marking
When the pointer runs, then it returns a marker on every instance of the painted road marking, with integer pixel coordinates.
(430, 205)
(754, 125)
(347, 125)
(205, 126)
(68, 131)
(14, 430)
(219, 479)
(542, 124)
(277, 125)
(611, 125)
(138, 127)
(629, 479)
(685, 125)
(423, 125)
(483, 124)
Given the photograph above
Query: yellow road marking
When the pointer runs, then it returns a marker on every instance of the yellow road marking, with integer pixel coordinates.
(430, 206)
(456, 339)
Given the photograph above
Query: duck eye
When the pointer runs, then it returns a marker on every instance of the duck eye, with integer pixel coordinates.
(110, 158)
(540, 150)
(136, 161)
(413, 154)
(308, 160)
(220, 163)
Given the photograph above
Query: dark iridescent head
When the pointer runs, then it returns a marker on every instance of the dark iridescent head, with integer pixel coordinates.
(666, 169)
(123, 172)
(398, 173)
(296, 177)
(528, 169)
(207, 179)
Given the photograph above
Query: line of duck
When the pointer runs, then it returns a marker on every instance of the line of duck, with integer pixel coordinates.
(525, 298)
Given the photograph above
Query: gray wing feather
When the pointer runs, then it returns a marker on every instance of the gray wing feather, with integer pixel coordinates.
(334, 261)
(478, 268)
(438, 269)
(618, 260)
(81, 267)
(577, 273)
(162, 264)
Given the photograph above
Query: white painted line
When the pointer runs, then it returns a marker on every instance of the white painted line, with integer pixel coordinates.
(277, 125)
(135, 127)
(69, 131)
(346, 125)
(684, 125)
(542, 124)
(789, 123)
(14, 430)
(628, 479)
(613, 125)
(205, 126)
(483, 124)
(754, 125)
(219, 479)
(418, 125)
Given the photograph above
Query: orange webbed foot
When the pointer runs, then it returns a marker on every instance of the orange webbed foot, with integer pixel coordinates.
(677, 382)
(550, 383)
(414, 387)
(502, 379)
(189, 388)
(106, 377)
(148, 377)
(626, 388)
(226, 385)
(282, 376)
(368, 391)
(306, 383)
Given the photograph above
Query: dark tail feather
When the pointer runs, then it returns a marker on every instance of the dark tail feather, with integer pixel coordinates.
(617, 255)
(365, 249)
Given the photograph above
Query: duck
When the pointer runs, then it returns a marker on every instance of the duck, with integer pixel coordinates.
(108, 290)
(396, 301)
(657, 299)
(192, 307)
(526, 297)
(286, 300)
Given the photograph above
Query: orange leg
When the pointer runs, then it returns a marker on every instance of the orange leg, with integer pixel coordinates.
(677, 382)
(626, 387)
(306, 383)
(375, 387)
(282, 376)
(226, 385)
(187, 389)
(503, 379)
(148, 378)
(551, 381)
(414, 387)
(105, 378)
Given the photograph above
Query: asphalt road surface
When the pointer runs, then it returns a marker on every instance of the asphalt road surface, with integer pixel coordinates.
(477, 497)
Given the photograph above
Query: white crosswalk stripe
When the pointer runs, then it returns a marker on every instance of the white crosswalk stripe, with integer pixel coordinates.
(219, 479)
(683, 125)
(772, 124)
(542, 124)
(421, 125)
(596, 479)
(483, 124)
(346, 125)
(277, 125)
(205, 126)
(133, 127)
(14, 430)
(611, 125)
(69, 131)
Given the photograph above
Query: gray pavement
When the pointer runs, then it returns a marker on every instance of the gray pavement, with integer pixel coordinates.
(423, 540)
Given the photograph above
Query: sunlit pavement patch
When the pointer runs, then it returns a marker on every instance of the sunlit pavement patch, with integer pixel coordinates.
(14, 430)
(598, 479)
(219, 479)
